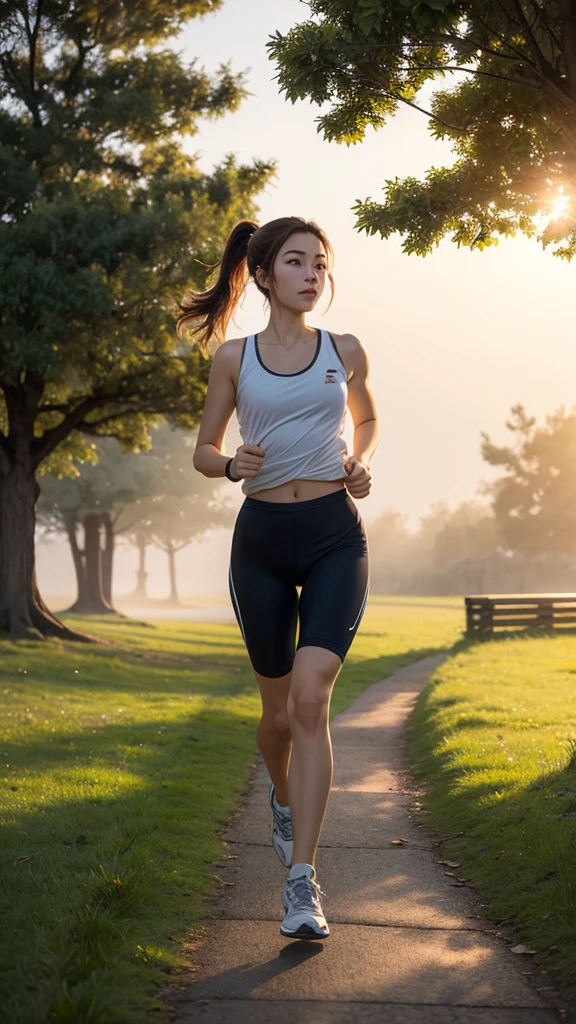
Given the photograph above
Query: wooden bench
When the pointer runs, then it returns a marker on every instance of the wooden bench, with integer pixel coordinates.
(486, 611)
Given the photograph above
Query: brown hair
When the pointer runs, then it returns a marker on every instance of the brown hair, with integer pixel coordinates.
(248, 247)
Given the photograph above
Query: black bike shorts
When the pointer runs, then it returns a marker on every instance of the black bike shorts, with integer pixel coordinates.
(319, 545)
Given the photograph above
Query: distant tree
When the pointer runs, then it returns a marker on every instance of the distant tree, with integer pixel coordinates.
(156, 494)
(183, 507)
(140, 537)
(391, 546)
(468, 531)
(535, 500)
(447, 546)
(510, 114)
(95, 502)
(104, 223)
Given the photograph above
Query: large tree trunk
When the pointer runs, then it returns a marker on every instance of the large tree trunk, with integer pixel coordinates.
(22, 610)
(92, 600)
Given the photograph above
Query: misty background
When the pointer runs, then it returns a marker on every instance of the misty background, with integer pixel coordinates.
(451, 350)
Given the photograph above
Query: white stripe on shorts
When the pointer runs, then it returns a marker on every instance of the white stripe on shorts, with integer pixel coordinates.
(361, 607)
(236, 605)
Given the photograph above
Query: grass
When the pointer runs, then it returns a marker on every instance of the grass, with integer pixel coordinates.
(120, 764)
(493, 738)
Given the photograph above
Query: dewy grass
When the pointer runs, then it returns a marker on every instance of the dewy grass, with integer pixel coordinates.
(119, 766)
(493, 737)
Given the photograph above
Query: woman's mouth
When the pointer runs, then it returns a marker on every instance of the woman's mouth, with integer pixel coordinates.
(309, 291)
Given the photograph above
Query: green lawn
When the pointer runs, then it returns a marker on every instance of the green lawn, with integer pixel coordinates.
(120, 765)
(493, 737)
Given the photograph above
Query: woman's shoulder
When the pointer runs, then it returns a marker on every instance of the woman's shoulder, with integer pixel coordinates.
(349, 341)
(351, 350)
(230, 351)
(230, 354)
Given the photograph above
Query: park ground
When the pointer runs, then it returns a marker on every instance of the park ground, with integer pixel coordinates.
(122, 762)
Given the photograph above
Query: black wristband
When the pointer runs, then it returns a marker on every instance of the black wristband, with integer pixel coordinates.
(234, 479)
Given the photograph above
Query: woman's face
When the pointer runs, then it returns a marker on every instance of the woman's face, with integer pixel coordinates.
(299, 272)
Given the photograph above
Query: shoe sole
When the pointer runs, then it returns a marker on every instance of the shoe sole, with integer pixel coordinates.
(303, 932)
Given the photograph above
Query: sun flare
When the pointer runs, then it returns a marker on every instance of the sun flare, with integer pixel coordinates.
(559, 207)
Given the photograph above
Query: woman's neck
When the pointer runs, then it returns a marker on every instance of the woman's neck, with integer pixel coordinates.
(286, 329)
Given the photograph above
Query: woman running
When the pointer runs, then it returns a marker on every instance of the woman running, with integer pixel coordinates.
(298, 526)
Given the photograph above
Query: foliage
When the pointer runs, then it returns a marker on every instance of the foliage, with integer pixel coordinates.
(132, 485)
(535, 500)
(104, 220)
(510, 117)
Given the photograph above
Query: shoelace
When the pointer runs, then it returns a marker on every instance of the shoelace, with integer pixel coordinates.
(307, 893)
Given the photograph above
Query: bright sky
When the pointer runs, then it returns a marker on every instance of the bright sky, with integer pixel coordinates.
(454, 340)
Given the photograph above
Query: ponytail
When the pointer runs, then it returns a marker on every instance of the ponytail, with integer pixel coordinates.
(247, 248)
(215, 306)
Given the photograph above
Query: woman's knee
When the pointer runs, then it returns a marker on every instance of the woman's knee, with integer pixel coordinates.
(276, 718)
(308, 707)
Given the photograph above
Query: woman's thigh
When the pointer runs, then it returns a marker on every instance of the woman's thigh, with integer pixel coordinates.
(334, 596)
(266, 609)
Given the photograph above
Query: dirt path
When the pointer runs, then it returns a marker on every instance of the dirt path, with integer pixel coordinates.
(406, 945)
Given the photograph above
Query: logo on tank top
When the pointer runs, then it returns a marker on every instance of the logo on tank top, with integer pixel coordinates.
(330, 379)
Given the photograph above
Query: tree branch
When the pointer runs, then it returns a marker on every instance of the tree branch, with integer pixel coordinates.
(568, 45)
(474, 45)
(543, 64)
(427, 113)
(474, 71)
(474, 16)
(42, 446)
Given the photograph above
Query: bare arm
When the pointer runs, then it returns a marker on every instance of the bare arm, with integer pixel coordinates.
(361, 403)
(208, 457)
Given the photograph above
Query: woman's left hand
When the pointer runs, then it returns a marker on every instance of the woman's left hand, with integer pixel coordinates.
(358, 481)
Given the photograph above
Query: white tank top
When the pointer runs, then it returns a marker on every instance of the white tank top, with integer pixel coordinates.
(297, 418)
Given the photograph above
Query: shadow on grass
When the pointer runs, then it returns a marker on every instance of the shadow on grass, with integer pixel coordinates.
(523, 632)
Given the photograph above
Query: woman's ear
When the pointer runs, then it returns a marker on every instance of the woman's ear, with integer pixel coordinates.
(261, 277)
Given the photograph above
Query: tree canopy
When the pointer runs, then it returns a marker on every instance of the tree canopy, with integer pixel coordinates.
(510, 116)
(534, 501)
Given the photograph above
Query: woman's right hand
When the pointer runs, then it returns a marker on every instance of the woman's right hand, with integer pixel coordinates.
(247, 461)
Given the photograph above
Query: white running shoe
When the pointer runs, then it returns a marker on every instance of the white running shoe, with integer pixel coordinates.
(301, 898)
(282, 840)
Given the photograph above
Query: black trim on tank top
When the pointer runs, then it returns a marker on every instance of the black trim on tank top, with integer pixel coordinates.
(338, 354)
(298, 372)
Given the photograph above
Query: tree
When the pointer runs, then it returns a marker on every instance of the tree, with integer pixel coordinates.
(104, 222)
(511, 117)
(97, 501)
(155, 494)
(535, 500)
(182, 505)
